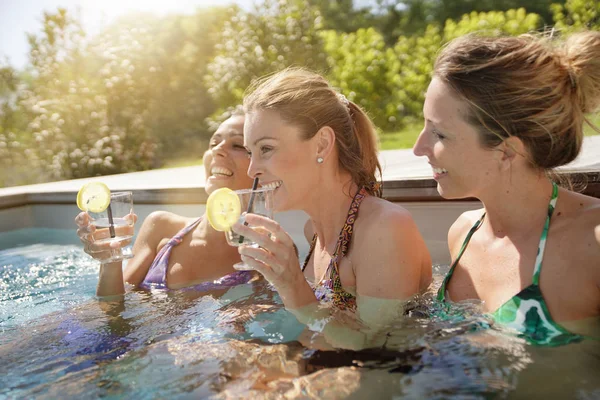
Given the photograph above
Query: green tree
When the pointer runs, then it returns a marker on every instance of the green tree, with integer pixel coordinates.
(411, 59)
(277, 35)
(342, 15)
(397, 18)
(357, 66)
(576, 15)
(73, 131)
(162, 63)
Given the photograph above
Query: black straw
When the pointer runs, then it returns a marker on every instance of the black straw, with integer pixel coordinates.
(250, 203)
(111, 223)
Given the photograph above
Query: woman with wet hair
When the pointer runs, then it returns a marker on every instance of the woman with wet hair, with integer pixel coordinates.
(500, 114)
(318, 150)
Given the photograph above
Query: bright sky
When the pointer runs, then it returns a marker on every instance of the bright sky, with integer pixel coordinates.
(17, 17)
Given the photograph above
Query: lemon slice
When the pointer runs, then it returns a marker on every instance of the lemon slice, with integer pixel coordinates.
(94, 197)
(223, 209)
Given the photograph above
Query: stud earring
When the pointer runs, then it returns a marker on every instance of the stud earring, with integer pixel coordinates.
(320, 160)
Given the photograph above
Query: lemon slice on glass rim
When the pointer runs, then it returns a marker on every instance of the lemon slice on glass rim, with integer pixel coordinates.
(94, 197)
(223, 209)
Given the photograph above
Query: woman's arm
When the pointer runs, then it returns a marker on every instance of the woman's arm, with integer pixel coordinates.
(158, 226)
(390, 258)
(111, 277)
(391, 255)
(276, 259)
(391, 264)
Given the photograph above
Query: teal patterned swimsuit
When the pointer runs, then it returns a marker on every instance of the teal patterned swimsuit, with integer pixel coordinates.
(526, 312)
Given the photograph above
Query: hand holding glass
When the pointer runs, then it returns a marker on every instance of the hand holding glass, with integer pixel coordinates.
(115, 225)
(259, 201)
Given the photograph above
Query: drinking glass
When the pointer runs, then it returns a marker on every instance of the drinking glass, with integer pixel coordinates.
(115, 224)
(258, 201)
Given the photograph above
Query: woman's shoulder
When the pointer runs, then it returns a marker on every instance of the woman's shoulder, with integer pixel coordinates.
(458, 230)
(575, 221)
(576, 212)
(166, 223)
(381, 221)
(380, 212)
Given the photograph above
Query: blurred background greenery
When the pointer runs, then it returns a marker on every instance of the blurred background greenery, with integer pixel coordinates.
(148, 91)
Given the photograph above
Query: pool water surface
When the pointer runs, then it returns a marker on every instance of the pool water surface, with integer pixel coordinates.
(58, 341)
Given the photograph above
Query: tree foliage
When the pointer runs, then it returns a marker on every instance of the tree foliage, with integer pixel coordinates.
(575, 15)
(148, 87)
(277, 35)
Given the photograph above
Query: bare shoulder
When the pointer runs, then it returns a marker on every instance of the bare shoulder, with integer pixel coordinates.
(577, 214)
(382, 223)
(389, 255)
(577, 222)
(460, 227)
(164, 223)
(380, 214)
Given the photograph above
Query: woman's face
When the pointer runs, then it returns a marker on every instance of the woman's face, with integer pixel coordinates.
(280, 158)
(226, 160)
(461, 166)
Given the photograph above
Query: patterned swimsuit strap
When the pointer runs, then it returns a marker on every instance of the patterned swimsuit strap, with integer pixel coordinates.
(542, 246)
(345, 236)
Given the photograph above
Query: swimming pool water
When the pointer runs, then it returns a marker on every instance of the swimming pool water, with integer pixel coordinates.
(58, 341)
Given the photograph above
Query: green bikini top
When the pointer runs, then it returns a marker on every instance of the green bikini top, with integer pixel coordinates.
(527, 311)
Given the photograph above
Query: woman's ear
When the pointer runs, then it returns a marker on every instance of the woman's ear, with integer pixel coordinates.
(325, 142)
(511, 148)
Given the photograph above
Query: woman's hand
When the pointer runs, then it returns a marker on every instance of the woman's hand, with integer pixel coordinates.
(276, 259)
(90, 235)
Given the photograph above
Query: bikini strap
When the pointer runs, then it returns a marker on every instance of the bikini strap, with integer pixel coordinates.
(542, 246)
(442, 289)
(310, 251)
(343, 243)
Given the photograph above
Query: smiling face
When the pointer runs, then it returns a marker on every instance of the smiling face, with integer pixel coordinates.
(280, 158)
(461, 166)
(226, 160)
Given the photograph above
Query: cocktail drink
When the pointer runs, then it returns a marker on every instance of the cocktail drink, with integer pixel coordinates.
(226, 207)
(112, 216)
(262, 204)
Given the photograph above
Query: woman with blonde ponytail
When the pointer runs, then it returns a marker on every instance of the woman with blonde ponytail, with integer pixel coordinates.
(500, 114)
(319, 151)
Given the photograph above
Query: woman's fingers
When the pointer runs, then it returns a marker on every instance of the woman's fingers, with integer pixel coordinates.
(263, 269)
(92, 234)
(258, 236)
(272, 226)
(262, 255)
(131, 217)
(82, 219)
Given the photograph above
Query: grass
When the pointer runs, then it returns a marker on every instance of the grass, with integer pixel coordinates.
(182, 162)
(402, 139)
(405, 138)
(594, 119)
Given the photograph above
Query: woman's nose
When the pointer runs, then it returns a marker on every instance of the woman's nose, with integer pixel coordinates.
(219, 150)
(254, 168)
(421, 147)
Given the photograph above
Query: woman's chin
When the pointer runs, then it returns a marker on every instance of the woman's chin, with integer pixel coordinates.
(445, 193)
(213, 184)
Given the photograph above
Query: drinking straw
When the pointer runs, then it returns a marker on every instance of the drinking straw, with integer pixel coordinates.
(111, 224)
(250, 203)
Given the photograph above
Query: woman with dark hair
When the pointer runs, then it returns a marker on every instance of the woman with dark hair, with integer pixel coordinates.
(172, 251)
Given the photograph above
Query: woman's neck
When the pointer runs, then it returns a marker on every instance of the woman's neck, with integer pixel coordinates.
(206, 232)
(328, 209)
(518, 204)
